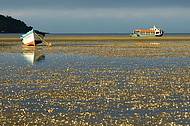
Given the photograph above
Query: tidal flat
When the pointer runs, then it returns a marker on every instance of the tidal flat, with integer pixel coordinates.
(95, 83)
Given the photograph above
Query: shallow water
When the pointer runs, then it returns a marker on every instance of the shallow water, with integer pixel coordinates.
(95, 84)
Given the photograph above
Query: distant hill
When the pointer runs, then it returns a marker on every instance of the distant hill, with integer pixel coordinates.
(11, 25)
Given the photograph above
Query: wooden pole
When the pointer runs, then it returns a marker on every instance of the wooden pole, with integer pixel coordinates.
(47, 43)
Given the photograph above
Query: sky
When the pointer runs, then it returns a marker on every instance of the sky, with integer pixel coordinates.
(100, 16)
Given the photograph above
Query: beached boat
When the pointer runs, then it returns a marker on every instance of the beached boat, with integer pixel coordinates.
(32, 38)
(148, 32)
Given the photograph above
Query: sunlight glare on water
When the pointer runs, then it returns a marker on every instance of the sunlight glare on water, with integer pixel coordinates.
(95, 85)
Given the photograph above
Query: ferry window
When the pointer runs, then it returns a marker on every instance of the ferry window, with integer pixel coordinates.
(136, 31)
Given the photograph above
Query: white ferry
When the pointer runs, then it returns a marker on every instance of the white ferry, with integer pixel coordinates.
(148, 32)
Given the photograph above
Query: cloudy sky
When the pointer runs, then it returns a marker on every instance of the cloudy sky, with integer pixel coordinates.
(100, 16)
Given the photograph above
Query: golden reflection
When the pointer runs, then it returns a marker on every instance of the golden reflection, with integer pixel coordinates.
(64, 98)
(97, 96)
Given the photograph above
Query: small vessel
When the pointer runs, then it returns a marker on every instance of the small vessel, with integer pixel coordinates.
(32, 38)
(148, 32)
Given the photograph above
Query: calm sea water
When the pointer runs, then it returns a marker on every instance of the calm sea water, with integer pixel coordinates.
(44, 86)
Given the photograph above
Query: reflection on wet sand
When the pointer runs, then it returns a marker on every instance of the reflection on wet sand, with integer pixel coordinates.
(32, 55)
(111, 85)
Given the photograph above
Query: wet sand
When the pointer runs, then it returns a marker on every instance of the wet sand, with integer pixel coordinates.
(119, 83)
(118, 38)
(14, 38)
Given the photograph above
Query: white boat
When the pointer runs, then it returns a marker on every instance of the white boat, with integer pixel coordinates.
(148, 32)
(32, 38)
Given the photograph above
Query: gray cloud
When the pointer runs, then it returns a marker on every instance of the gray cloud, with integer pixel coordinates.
(99, 15)
(10, 4)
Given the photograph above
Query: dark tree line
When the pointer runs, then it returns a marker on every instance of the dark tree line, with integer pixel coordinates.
(11, 25)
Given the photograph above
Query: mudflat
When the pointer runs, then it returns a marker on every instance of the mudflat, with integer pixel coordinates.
(95, 83)
(13, 38)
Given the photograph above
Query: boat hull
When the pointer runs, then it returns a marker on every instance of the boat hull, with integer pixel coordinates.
(32, 38)
(33, 43)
